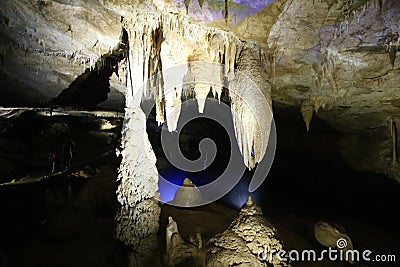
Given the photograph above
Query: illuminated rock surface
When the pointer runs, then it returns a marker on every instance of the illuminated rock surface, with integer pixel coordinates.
(137, 221)
(241, 243)
(187, 194)
(330, 236)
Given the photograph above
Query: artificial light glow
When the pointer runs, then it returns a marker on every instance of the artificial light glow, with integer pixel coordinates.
(106, 125)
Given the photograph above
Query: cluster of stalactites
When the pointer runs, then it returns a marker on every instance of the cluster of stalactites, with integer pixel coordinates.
(353, 10)
(163, 49)
(160, 41)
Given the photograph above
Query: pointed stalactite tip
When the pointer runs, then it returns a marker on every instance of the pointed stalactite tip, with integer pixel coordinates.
(201, 2)
(187, 3)
(307, 111)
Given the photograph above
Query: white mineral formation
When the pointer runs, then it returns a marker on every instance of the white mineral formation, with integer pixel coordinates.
(160, 41)
(138, 220)
(252, 116)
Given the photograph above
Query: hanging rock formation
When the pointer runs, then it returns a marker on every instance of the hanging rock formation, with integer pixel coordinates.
(252, 119)
(160, 41)
(343, 51)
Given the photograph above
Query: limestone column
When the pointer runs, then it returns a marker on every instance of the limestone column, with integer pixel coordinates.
(138, 217)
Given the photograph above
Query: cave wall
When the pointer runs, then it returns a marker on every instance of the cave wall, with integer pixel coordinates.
(46, 45)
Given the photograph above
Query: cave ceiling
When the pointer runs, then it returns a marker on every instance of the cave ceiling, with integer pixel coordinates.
(335, 57)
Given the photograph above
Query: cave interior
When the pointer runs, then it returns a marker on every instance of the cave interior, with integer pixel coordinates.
(84, 109)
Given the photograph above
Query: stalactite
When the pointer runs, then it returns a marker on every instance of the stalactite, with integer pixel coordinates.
(187, 3)
(226, 11)
(328, 67)
(201, 2)
(319, 102)
(308, 106)
(186, 42)
(307, 111)
(272, 54)
(352, 9)
(183, 42)
(318, 75)
(252, 120)
(172, 87)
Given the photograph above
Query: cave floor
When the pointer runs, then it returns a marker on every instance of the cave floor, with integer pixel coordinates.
(68, 219)
(45, 224)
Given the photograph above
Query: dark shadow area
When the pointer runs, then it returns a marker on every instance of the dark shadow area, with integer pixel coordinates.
(309, 182)
(31, 143)
(68, 219)
(308, 177)
(92, 87)
(65, 217)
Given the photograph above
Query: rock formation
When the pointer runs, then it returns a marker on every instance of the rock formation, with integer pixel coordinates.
(242, 242)
(330, 236)
(177, 251)
(159, 41)
(345, 55)
(187, 195)
(137, 221)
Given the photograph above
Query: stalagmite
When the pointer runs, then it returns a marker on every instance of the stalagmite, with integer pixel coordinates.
(187, 194)
(179, 252)
(137, 222)
(242, 243)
